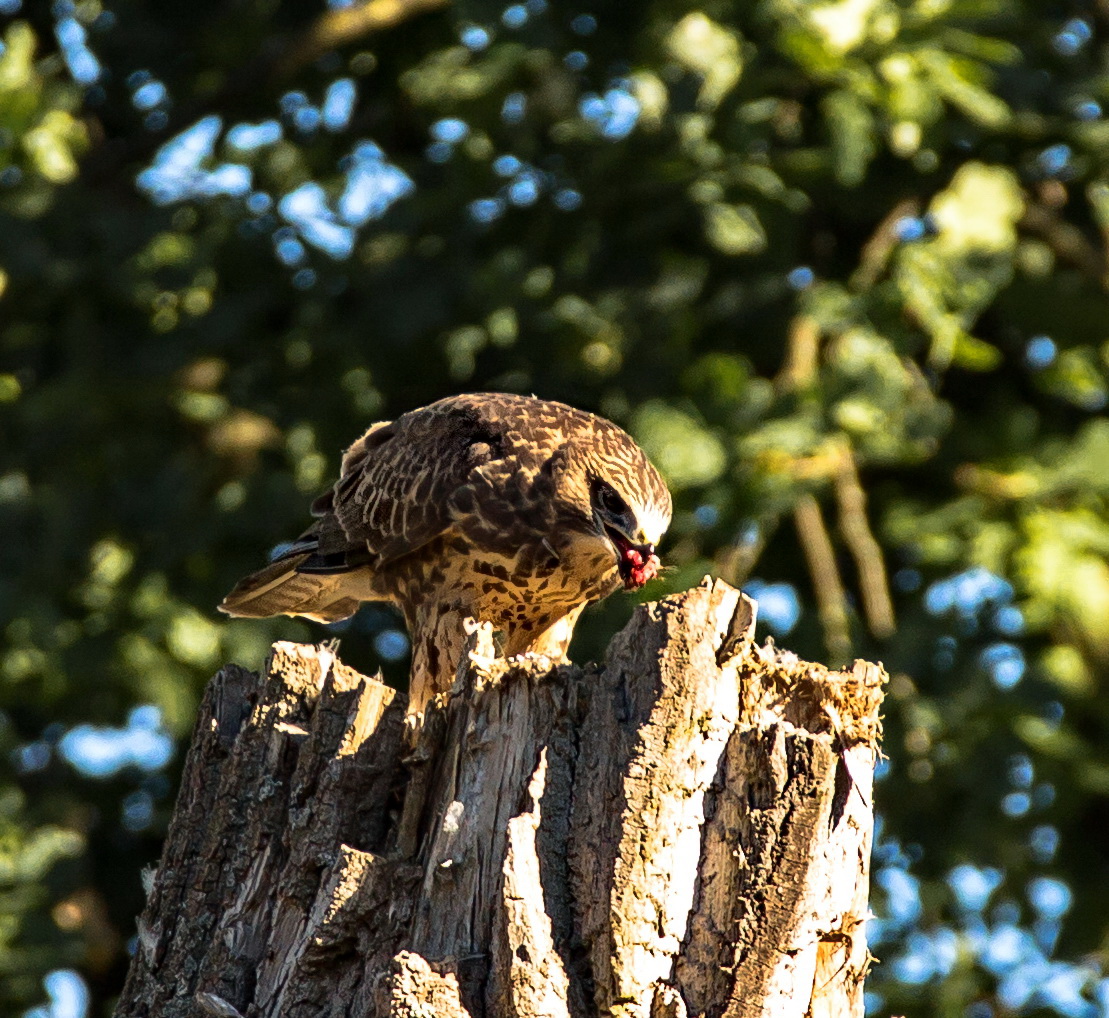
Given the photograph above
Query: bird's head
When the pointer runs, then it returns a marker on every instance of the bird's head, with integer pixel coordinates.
(614, 507)
(633, 523)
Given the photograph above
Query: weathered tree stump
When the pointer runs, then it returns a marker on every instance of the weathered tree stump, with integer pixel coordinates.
(684, 830)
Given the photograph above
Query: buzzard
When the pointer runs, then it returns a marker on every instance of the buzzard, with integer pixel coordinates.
(507, 509)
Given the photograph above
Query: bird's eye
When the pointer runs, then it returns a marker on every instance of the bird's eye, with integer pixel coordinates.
(608, 500)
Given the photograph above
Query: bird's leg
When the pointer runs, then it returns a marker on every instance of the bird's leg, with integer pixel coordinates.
(437, 641)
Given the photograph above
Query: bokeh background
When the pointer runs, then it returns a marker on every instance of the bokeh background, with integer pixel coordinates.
(840, 267)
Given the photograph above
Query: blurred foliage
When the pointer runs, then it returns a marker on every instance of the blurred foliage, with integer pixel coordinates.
(841, 267)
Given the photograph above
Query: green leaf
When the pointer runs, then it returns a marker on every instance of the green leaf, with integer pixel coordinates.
(852, 128)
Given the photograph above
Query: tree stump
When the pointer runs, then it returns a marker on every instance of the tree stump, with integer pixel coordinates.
(683, 830)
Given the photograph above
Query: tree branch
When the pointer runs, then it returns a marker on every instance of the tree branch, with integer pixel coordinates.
(343, 25)
(1067, 241)
(864, 548)
(876, 252)
(802, 350)
(827, 585)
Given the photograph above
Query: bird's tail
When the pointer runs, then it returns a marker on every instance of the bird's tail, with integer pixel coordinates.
(285, 588)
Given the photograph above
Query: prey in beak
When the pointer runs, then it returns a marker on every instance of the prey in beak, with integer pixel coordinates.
(636, 561)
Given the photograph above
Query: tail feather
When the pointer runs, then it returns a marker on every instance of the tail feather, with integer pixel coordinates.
(282, 589)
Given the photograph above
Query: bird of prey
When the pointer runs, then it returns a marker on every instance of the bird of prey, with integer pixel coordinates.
(506, 509)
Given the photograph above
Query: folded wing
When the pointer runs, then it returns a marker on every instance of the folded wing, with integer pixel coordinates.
(403, 484)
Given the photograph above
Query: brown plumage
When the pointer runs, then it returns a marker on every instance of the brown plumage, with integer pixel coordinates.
(508, 509)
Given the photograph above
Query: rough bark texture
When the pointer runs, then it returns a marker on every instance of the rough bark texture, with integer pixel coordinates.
(682, 831)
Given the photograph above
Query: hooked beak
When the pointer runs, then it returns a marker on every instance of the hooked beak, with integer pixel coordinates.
(636, 562)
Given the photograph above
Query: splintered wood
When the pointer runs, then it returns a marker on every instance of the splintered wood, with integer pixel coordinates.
(684, 830)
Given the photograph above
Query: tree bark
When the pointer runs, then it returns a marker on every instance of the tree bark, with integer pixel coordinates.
(683, 830)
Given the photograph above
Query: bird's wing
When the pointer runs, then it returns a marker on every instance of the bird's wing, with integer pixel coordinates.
(408, 481)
